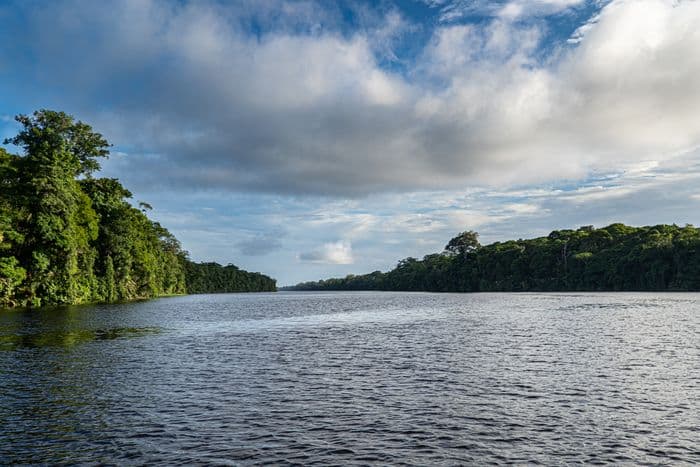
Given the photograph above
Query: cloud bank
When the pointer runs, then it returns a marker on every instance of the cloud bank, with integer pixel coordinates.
(200, 100)
(331, 253)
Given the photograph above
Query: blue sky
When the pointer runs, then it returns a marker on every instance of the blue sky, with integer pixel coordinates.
(308, 139)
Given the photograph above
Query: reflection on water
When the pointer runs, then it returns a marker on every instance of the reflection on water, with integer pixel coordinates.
(354, 377)
(63, 327)
(70, 338)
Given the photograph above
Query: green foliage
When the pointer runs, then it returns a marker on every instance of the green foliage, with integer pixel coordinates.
(214, 278)
(464, 243)
(49, 135)
(11, 276)
(69, 238)
(616, 257)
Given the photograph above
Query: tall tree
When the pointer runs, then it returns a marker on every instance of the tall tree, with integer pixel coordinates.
(59, 222)
(465, 242)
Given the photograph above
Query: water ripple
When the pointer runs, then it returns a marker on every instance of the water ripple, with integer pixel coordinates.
(355, 378)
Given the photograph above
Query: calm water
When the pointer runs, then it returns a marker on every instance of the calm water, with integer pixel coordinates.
(361, 378)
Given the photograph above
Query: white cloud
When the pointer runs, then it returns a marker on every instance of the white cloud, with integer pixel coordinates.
(452, 10)
(330, 253)
(515, 9)
(626, 92)
(203, 104)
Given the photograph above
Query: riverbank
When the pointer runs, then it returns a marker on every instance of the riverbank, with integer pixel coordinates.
(612, 258)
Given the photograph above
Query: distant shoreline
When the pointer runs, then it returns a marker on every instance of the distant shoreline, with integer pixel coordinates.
(616, 258)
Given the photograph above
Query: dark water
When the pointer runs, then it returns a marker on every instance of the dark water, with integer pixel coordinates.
(362, 378)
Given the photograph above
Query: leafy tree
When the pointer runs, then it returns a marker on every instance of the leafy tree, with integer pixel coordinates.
(56, 217)
(51, 135)
(464, 243)
(67, 237)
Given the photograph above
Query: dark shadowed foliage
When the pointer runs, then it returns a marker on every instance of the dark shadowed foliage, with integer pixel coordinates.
(215, 278)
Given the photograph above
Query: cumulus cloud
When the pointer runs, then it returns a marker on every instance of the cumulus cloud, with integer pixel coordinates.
(330, 253)
(199, 102)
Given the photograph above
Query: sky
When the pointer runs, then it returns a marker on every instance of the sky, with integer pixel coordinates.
(313, 139)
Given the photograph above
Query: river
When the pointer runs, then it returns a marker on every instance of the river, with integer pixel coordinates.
(364, 378)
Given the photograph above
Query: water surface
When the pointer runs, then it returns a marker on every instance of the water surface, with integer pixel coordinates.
(361, 378)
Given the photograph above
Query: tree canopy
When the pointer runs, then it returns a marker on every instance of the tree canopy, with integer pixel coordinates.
(68, 238)
(613, 258)
(464, 243)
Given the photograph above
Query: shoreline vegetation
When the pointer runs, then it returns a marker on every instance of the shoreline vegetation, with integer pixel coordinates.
(67, 238)
(613, 258)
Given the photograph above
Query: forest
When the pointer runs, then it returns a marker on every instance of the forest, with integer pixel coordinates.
(67, 237)
(613, 258)
(215, 278)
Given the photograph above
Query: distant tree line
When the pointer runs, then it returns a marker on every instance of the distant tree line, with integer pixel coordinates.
(215, 278)
(613, 258)
(69, 238)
